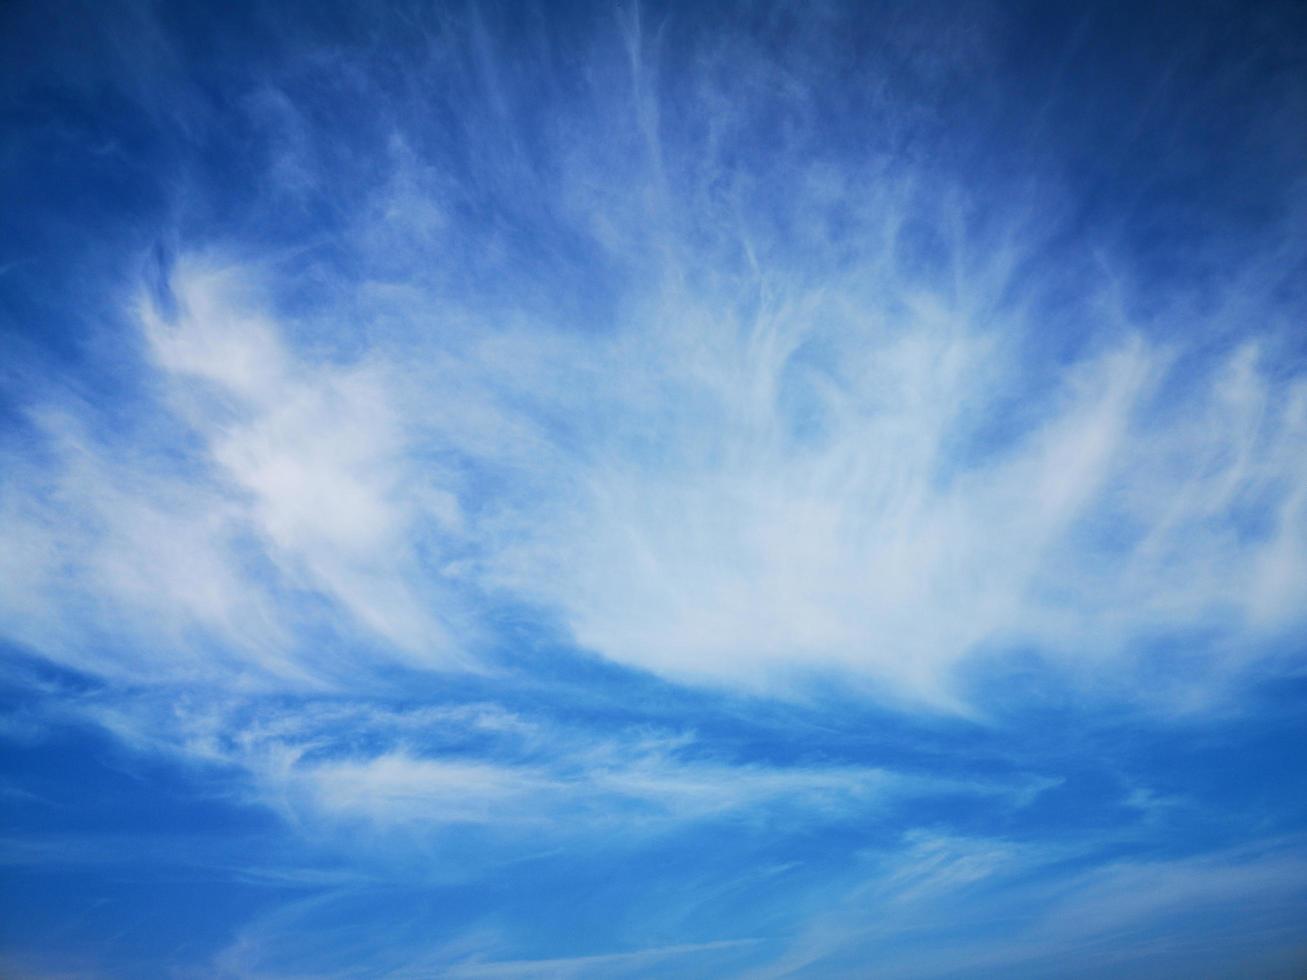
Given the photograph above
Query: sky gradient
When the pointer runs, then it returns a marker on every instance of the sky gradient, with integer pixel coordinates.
(607, 490)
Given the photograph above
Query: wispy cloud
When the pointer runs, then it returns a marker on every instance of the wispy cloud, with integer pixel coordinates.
(316, 452)
(736, 490)
(1124, 914)
(356, 765)
(613, 964)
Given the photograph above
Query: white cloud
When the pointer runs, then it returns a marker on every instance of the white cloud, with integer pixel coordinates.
(738, 494)
(349, 766)
(316, 449)
(762, 497)
(115, 564)
(738, 419)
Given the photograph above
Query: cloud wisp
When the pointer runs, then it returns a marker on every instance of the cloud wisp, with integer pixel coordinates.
(743, 496)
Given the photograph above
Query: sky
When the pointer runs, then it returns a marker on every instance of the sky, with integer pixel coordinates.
(684, 490)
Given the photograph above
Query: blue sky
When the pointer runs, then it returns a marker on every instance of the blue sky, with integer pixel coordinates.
(700, 490)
